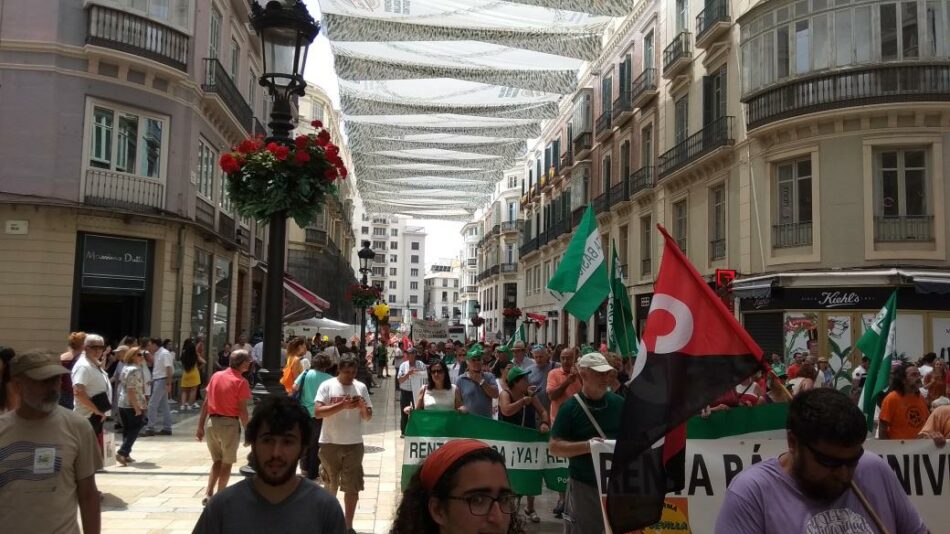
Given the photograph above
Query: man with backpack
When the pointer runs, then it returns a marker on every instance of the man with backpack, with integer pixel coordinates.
(305, 389)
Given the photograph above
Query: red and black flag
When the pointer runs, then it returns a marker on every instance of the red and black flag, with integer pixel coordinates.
(693, 350)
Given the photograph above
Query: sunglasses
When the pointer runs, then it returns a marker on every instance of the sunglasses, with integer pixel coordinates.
(95, 346)
(833, 462)
(437, 371)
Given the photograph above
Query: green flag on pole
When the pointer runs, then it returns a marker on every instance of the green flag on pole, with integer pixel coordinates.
(521, 334)
(580, 284)
(621, 334)
(879, 344)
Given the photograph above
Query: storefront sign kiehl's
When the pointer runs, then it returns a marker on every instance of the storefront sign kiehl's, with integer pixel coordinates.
(837, 299)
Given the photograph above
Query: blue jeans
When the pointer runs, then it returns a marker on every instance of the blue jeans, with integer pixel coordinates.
(158, 406)
(131, 424)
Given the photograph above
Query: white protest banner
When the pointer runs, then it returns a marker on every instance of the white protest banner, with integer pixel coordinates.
(922, 470)
(434, 331)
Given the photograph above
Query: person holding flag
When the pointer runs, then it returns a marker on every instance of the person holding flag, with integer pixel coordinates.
(879, 344)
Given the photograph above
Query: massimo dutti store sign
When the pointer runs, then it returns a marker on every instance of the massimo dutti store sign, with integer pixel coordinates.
(115, 263)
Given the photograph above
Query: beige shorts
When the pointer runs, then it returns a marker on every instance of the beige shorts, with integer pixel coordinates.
(341, 466)
(222, 438)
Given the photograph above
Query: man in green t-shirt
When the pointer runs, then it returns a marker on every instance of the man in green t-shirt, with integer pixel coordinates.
(571, 436)
(307, 384)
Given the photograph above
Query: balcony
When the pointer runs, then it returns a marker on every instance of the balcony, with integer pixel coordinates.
(508, 268)
(717, 249)
(791, 235)
(316, 237)
(493, 270)
(471, 263)
(603, 125)
(219, 82)
(567, 160)
(226, 226)
(712, 23)
(620, 192)
(259, 251)
(138, 36)
(643, 89)
(904, 228)
(204, 213)
(677, 55)
(577, 215)
(510, 227)
(582, 145)
(602, 203)
(642, 179)
(528, 247)
(875, 85)
(622, 108)
(716, 134)
(122, 191)
(243, 238)
(469, 289)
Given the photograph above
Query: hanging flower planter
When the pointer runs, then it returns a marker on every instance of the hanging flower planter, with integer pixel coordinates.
(268, 178)
(363, 296)
(477, 321)
(511, 312)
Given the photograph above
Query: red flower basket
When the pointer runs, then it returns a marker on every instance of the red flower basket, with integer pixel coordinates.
(512, 312)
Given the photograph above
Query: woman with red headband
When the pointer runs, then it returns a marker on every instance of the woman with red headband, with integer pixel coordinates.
(462, 488)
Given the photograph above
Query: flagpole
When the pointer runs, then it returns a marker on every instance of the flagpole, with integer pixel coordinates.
(867, 508)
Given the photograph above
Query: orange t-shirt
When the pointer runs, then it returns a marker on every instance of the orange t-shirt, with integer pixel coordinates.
(556, 377)
(291, 371)
(905, 415)
(227, 390)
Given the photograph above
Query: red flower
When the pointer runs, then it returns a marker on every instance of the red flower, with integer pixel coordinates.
(249, 145)
(316, 124)
(229, 163)
(323, 138)
(330, 174)
(334, 160)
(281, 153)
(343, 172)
(302, 141)
(332, 150)
(301, 157)
(272, 147)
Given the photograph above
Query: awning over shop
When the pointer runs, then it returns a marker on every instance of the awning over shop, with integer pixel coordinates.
(930, 284)
(755, 289)
(298, 290)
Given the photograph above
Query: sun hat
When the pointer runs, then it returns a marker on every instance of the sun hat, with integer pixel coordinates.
(594, 361)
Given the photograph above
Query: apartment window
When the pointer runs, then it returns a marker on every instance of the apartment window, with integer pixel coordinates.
(714, 96)
(392, 284)
(393, 258)
(512, 182)
(413, 272)
(445, 296)
(902, 206)
(316, 112)
(393, 245)
(681, 119)
(537, 279)
(127, 141)
(413, 259)
(413, 285)
(717, 222)
(392, 299)
(252, 81)
(445, 282)
(794, 212)
(413, 299)
(783, 51)
(509, 253)
(393, 232)
(235, 60)
(646, 237)
(380, 232)
(379, 271)
(414, 245)
(547, 270)
(207, 165)
(646, 145)
(214, 40)
(605, 174)
(512, 211)
(682, 15)
(399, 7)
(379, 245)
(624, 161)
(606, 94)
(680, 223)
(364, 230)
(648, 52)
(224, 199)
(392, 271)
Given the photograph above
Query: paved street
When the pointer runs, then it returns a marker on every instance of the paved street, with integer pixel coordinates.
(161, 492)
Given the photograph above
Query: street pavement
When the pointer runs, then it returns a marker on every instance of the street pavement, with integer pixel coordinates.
(161, 492)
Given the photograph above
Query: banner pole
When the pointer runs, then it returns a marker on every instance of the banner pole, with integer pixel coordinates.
(868, 508)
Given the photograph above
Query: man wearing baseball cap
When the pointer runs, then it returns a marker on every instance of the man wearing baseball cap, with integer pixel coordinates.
(46, 450)
(592, 414)
(477, 386)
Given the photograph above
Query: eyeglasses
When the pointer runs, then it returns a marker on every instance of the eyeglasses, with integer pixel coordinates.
(95, 346)
(481, 503)
(832, 462)
(436, 371)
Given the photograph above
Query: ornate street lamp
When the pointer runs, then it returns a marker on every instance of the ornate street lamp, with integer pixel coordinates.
(366, 256)
(286, 31)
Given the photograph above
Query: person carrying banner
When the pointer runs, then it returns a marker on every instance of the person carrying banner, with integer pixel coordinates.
(461, 488)
(904, 409)
(592, 414)
(518, 405)
(410, 377)
(824, 483)
(937, 426)
(477, 387)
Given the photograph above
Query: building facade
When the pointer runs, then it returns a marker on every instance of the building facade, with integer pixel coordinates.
(799, 143)
(471, 235)
(442, 290)
(123, 225)
(399, 266)
(497, 284)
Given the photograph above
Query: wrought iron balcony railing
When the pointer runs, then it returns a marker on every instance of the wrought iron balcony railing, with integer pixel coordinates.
(715, 15)
(218, 81)
(619, 192)
(791, 235)
(643, 88)
(622, 105)
(677, 53)
(717, 249)
(602, 202)
(904, 228)
(124, 191)
(603, 122)
(642, 179)
(716, 134)
(583, 142)
(139, 36)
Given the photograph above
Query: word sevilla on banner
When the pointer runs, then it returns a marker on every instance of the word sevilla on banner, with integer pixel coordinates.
(692, 351)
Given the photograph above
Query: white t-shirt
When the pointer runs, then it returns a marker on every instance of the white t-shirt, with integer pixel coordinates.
(92, 378)
(160, 361)
(439, 399)
(416, 381)
(344, 427)
(257, 353)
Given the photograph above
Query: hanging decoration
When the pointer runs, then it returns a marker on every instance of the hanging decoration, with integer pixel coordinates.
(363, 296)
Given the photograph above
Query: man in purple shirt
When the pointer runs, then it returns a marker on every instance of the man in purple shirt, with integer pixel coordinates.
(807, 490)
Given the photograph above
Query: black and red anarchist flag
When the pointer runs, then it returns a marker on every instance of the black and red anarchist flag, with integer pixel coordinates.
(692, 351)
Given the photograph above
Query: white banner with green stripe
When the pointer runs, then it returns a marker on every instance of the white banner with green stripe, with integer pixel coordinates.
(525, 450)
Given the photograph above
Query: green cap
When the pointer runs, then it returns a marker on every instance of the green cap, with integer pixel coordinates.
(515, 373)
(475, 352)
(504, 349)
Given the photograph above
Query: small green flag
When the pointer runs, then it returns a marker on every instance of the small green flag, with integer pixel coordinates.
(580, 284)
(621, 334)
(521, 334)
(879, 344)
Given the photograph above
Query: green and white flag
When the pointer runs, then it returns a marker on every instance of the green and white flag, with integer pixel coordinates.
(621, 334)
(580, 284)
(765, 421)
(521, 334)
(879, 344)
(525, 450)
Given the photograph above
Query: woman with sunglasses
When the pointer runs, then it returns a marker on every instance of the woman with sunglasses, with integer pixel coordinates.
(439, 393)
(461, 488)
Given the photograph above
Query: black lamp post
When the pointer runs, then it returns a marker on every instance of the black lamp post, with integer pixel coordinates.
(366, 256)
(286, 30)
(477, 308)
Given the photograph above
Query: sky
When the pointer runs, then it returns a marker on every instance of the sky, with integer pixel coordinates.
(443, 239)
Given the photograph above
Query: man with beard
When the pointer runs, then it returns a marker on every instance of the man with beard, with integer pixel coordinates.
(904, 409)
(811, 488)
(48, 455)
(275, 498)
